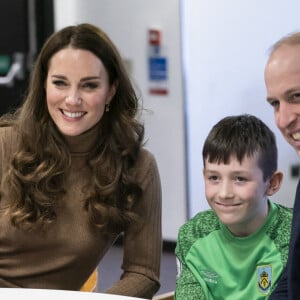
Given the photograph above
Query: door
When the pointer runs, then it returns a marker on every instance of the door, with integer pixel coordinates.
(25, 24)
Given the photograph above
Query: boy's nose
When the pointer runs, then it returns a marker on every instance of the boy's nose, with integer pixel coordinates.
(226, 190)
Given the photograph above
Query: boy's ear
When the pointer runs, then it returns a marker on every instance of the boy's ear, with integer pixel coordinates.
(274, 183)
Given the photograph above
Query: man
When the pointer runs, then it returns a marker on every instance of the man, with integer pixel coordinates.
(282, 79)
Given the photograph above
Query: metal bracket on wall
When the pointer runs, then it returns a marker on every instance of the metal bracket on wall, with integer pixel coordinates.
(16, 70)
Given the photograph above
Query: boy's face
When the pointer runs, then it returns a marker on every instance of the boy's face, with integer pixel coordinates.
(237, 194)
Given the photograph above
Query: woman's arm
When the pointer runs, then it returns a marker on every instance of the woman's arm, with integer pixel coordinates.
(143, 245)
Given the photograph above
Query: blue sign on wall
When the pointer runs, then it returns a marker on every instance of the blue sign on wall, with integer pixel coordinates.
(158, 68)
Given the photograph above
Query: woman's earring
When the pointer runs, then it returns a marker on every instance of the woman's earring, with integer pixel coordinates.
(107, 107)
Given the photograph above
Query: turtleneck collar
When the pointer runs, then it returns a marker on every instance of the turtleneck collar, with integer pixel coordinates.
(84, 142)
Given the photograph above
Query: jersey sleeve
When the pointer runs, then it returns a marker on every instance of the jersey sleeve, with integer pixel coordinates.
(187, 286)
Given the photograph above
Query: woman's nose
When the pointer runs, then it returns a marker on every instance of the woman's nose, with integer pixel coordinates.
(73, 98)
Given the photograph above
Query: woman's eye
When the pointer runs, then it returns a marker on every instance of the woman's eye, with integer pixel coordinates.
(59, 83)
(90, 85)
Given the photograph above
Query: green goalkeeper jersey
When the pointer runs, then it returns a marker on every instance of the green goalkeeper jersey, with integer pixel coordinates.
(213, 264)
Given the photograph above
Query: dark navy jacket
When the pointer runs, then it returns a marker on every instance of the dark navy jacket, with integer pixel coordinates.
(288, 287)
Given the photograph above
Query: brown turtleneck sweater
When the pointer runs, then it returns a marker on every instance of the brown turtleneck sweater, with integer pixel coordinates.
(66, 253)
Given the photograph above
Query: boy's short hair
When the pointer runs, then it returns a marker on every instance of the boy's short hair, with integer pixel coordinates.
(241, 136)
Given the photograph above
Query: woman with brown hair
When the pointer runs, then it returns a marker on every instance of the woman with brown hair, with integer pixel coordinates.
(74, 173)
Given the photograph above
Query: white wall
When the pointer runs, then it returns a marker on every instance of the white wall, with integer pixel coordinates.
(127, 23)
(225, 46)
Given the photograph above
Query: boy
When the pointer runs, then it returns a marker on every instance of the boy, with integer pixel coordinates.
(238, 248)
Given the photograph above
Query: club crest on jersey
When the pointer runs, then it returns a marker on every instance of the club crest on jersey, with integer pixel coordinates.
(264, 278)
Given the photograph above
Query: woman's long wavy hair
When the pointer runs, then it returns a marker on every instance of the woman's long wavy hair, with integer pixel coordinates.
(34, 181)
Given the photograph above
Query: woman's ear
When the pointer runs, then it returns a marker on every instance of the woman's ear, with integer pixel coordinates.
(274, 183)
(112, 91)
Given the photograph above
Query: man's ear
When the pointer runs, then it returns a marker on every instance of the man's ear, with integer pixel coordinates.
(274, 183)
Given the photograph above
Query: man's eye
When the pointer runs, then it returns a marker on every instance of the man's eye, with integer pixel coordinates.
(274, 103)
(296, 97)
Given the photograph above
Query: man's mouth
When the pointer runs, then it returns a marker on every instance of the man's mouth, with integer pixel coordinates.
(296, 136)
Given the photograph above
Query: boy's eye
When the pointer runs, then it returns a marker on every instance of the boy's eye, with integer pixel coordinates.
(213, 178)
(240, 179)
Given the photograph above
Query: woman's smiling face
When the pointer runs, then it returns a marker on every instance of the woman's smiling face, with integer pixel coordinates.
(77, 89)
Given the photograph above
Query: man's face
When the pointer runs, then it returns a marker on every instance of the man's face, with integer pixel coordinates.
(282, 79)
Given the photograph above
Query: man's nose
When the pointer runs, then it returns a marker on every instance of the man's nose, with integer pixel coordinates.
(285, 115)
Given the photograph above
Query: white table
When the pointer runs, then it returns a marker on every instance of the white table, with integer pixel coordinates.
(45, 294)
